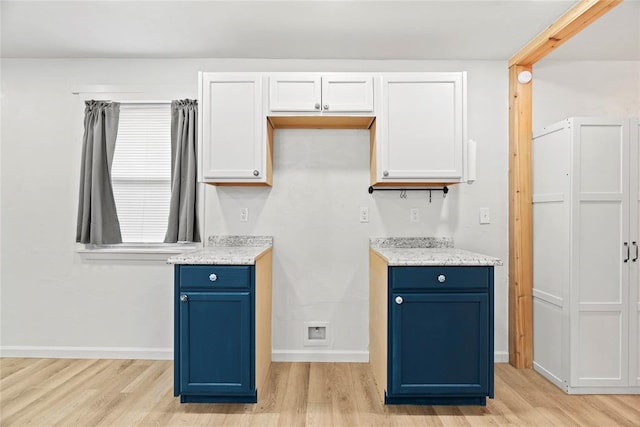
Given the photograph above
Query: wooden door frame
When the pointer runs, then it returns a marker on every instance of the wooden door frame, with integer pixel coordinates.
(571, 23)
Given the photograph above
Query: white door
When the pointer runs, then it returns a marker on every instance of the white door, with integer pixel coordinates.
(232, 127)
(344, 93)
(634, 306)
(295, 92)
(599, 334)
(421, 134)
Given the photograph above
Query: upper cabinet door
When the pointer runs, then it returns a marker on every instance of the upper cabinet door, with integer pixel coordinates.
(315, 93)
(233, 128)
(421, 134)
(295, 92)
(344, 93)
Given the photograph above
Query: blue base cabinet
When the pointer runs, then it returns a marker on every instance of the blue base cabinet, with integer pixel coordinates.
(439, 347)
(214, 341)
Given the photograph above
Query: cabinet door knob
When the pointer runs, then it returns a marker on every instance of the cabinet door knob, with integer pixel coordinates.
(256, 172)
(442, 278)
(385, 173)
(399, 300)
(635, 245)
(184, 298)
(326, 106)
(317, 106)
(213, 277)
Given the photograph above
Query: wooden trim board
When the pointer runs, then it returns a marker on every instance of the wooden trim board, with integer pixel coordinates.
(378, 282)
(520, 222)
(568, 25)
(321, 122)
(263, 321)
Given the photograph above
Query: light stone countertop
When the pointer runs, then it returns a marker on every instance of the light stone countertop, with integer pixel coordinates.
(428, 252)
(227, 250)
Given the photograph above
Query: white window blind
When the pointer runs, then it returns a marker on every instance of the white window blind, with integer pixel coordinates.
(141, 172)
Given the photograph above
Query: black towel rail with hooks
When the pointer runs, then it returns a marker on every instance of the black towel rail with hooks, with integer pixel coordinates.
(403, 191)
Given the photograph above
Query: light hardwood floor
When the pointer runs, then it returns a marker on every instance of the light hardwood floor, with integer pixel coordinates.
(66, 392)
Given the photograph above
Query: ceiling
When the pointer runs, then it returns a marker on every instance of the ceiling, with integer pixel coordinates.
(304, 29)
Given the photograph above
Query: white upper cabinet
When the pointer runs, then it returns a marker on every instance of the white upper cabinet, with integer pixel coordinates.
(417, 122)
(233, 129)
(320, 93)
(421, 131)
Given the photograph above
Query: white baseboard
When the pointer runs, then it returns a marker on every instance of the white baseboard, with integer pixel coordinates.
(343, 356)
(314, 355)
(548, 375)
(87, 352)
(501, 357)
(317, 355)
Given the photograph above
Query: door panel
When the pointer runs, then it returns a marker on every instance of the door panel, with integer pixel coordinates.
(232, 127)
(294, 92)
(347, 93)
(215, 343)
(422, 129)
(599, 343)
(439, 344)
(634, 276)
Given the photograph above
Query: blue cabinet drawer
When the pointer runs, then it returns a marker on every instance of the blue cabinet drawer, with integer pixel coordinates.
(215, 276)
(439, 278)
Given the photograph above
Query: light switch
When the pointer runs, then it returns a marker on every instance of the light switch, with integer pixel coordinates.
(244, 214)
(484, 216)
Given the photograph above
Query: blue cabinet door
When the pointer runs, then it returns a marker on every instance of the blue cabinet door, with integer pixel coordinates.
(215, 343)
(438, 344)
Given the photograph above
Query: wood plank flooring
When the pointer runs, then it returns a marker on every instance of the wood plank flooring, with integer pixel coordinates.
(68, 392)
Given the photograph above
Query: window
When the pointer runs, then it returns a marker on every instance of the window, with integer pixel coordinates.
(141, 171)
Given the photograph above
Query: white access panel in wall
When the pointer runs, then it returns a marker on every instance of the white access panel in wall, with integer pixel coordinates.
(599, 335)
(232, 127)
(422, 127)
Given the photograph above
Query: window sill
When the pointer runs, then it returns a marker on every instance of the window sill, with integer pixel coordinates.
(134, 251)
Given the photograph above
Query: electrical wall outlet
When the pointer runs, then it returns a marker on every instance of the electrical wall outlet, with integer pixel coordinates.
(244, 214)
(484, 216)
(364, 214)
(414, 215)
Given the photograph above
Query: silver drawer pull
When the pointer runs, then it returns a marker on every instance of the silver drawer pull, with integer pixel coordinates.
(213, 277)
(184, 298)
(442, 278)
(399, 300)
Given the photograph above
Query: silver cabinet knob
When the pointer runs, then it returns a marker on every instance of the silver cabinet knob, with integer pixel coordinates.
(399, 300)
(317, 106)
(385, 173)
(442, 278)
(326, 106)
(184, 298)
(213, 277)
(256, 172)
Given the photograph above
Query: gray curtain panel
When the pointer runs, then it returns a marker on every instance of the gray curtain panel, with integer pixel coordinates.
(183, 220)
(97, 218)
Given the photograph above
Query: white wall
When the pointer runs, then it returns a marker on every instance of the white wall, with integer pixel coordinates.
(563, 89)
(51, 298)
